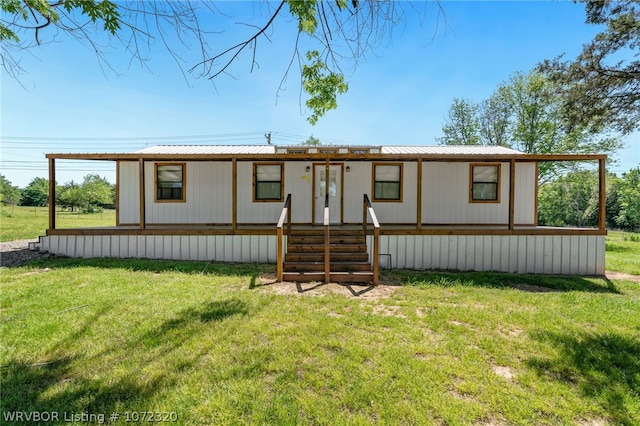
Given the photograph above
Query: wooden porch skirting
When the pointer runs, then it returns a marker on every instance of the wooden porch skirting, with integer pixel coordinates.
(568, 253)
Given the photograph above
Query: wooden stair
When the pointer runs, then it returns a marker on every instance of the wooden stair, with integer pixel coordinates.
(349, 260)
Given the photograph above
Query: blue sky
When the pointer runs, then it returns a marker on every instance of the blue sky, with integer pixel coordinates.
(65, 102)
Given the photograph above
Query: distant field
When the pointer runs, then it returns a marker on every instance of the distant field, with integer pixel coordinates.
(21, 223)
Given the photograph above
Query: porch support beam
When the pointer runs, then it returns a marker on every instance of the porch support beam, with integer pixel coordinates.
(512, 187)
(327, 239)
(52, 193)
(419, 196)
(142, 193)
(234, 194)
(602, 196)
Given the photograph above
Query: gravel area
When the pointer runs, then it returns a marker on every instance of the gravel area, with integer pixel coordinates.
(17, 253)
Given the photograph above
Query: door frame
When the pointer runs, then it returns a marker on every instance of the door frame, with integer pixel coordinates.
(313, 188)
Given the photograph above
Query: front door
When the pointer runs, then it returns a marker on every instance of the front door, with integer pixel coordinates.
(322, 186)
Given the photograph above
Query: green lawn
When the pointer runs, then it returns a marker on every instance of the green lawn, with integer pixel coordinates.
(623, 252)
(22, 223)
(221, 347)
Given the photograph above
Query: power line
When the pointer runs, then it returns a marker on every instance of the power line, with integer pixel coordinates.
(257, 135)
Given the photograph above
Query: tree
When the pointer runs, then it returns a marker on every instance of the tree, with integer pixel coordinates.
(96, 192)
(540, 124)
(629, 200)
(570, 200)
(526, 113)
(461, 126)
(36, 193)
(70, 195)
(601, 87)
(339, 33)
(494, 114)
(312, 141)
(9, 194)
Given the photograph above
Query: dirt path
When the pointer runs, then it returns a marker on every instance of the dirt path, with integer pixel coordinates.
(621, 276)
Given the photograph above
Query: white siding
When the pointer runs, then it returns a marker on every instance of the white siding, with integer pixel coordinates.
(257, 212)
(404, 212)
(540, 254)
(208, 197)
(359, 181)
(128, 192)
(298, 183)
(221, 248)
(445, 196)
(525, 194)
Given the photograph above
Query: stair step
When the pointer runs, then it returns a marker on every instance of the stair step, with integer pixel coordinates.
(352, 277)
(344, 277)
(303, 277)
(320, 231)
(333, 239)
(319, 266)
(319, 257)
(319, 248)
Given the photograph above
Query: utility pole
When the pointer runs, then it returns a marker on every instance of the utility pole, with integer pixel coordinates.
(268, 136)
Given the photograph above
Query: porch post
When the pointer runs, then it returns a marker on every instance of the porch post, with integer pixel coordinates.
(142, 193)
(234, 193)
(419, 196)
(52, 193)
(327, 239)
(512, 186)
(602, 196)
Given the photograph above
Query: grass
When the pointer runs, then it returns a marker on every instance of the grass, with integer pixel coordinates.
(104, 335)
(22, 223)
(623, 252)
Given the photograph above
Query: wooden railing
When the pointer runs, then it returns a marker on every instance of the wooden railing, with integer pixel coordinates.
(327, 240)
(367, 211)
(284, 216)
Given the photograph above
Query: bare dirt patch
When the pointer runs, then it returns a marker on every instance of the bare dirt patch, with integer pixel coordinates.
(320, 289)
(510, 333)
(388, 311)
(36, 272)
(611, 275)
(503, 371)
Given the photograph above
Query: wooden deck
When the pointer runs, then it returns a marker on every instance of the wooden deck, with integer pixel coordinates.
(270, 229)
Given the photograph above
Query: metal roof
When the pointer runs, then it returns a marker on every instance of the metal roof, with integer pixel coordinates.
(449, 149)
(271, 149)
(209, 149)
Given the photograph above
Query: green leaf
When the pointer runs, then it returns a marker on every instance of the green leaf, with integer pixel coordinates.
(323, 86)
(305, 12)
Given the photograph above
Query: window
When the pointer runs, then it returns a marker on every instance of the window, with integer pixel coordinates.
(360, 151)
(485, 183)
(267, 182)
(170, 182)
(297, 150)
(387, 182)
(328, 151)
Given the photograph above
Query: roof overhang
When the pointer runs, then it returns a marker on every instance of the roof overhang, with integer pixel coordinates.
(138, 156)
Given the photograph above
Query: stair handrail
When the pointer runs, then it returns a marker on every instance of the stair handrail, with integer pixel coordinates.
(327, 253)
(368, 211)
(284, 215)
